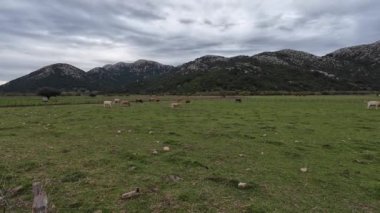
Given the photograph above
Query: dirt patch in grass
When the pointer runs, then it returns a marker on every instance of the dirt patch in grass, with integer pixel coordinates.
(174, 134)
(276, 143)
(327, 146)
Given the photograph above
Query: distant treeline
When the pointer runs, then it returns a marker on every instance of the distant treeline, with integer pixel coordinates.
(209, 93)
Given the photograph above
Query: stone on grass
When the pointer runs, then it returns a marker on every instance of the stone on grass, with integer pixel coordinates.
(174, 178)
(166, 148)
(15, 191)
(131, 194)
(2, 201)
(242, 185)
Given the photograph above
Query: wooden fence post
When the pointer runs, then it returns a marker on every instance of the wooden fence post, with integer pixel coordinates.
(40, 201)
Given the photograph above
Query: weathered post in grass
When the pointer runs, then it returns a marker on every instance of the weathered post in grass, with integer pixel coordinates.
(40, 201)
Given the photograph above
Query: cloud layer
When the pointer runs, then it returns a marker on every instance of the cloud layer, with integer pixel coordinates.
(89, 33)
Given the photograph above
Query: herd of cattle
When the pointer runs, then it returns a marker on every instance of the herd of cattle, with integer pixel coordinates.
(108, 104)
(177, 103)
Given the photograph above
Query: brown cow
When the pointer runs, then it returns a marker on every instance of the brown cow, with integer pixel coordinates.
(154, 99)
(125, 103)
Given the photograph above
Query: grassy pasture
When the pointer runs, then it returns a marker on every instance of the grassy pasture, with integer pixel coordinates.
(85, 163)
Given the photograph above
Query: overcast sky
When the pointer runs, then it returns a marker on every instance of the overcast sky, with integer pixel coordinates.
(90, 33)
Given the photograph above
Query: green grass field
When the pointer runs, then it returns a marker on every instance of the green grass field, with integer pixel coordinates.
(87, 156)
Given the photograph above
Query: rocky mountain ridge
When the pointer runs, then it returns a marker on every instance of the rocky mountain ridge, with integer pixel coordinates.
(352, 68)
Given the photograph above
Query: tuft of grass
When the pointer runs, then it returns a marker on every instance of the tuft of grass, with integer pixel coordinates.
(28, 166)
(233, 183)
(73, 176)
(185, 161)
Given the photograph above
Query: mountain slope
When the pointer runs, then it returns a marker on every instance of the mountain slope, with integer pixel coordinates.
(359, 64)
(264, 72)
(115, 77)
(60, 76)
(352, 68)
(66, 77)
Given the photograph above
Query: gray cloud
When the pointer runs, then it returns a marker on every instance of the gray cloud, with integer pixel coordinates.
(186, 21)
(89, 33)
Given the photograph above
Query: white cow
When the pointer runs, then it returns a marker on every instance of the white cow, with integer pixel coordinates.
(116, 100)
(107, 104)
(175, 105)
(373, 104)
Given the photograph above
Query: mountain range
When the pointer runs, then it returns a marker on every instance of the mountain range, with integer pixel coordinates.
(347, 69)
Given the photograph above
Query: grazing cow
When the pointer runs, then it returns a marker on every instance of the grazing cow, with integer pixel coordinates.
(373, 104)
(125, 103)
(175, 105)
(153, 99)
(116, 101)
(238, 100)
(187, 101)
(139, 101)
(107, 104)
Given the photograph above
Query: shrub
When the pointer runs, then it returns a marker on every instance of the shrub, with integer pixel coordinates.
(48, 92)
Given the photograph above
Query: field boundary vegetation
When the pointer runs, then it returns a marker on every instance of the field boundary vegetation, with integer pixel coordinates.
(210, 93)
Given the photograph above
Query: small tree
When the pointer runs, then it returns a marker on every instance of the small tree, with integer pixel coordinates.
(48, 92)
